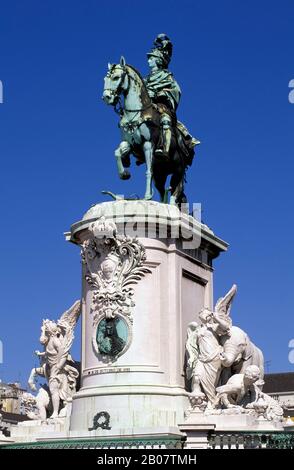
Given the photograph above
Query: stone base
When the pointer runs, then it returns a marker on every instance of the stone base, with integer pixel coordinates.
(5, 440)
(198, 426)
(147, 438)
(232, 422)
(164, 409)
(196, 434)
(288, 427)
(29, 431)
(144, 386)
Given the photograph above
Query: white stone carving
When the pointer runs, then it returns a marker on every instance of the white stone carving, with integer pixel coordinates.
(267, 407)
(216, 349)
(225, 369)
(55, 365)
(114, 263)
(243, 394)
(35, 406)
(204, 364)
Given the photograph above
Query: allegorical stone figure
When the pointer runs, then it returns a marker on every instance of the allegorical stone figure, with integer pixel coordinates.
(240, 389)
(243, 393)
(56, 361)
(216, 350)
(205, 366)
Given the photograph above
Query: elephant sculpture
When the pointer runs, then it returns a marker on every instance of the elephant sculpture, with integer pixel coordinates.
(216, 350)
(238, 350)
(239, 353)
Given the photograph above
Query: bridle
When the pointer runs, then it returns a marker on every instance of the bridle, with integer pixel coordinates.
(115, 93)
(118, 106)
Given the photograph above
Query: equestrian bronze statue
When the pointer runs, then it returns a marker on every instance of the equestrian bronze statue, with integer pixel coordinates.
(149, 127)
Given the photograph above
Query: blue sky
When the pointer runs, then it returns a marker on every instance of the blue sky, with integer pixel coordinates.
(233, 61)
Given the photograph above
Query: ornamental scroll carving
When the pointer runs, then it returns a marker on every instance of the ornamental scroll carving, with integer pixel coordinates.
(114, 263)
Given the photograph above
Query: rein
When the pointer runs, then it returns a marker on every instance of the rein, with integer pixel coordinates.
(137, 110)
(119, 108)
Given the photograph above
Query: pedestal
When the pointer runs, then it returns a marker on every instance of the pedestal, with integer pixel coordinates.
(5, 440)
(148, 267)
(38, 430)
(225, 430)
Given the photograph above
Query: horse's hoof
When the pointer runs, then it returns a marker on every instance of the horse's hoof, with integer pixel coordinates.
(172, 201)
(125, 175)
(148, 197)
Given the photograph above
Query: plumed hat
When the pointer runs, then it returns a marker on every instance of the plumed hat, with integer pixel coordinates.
(163, 49)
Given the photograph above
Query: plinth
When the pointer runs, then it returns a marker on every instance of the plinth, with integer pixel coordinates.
(146, 273)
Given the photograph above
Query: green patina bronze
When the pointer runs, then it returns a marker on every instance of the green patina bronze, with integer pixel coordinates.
(160, 83)
(112, 336)
(149, 127)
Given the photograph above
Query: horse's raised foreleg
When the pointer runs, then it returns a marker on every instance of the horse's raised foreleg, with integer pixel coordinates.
(148, 153)
(123, 150)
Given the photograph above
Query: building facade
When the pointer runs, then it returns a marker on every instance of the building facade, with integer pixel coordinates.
(281, 387)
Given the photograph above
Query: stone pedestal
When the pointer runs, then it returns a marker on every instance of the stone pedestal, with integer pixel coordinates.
(198, 426)
(223, 422)
(28, 431)
(170, 276)
(5, 440)
(196, 434)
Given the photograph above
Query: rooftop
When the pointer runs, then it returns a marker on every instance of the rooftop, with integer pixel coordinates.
(278, 383)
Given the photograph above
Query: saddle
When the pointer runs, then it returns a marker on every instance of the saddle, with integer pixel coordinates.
(184, 141)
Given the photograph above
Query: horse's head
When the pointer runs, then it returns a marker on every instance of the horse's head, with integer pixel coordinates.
(115, 82)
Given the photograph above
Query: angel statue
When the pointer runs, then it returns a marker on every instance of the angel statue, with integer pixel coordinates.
(203, 351)
(56, 362)
(216, 350)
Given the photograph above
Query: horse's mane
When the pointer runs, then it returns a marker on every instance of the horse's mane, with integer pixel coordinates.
(137, 72)
(144, 93)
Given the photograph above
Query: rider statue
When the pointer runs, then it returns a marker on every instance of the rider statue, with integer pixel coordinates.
(150, 131)
(165, 93)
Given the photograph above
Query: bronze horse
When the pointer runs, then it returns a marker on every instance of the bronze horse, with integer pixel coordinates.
(141, 134)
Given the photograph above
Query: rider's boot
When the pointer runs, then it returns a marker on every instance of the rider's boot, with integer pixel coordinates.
(167, 134)
(187, 134)
(163, 152)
